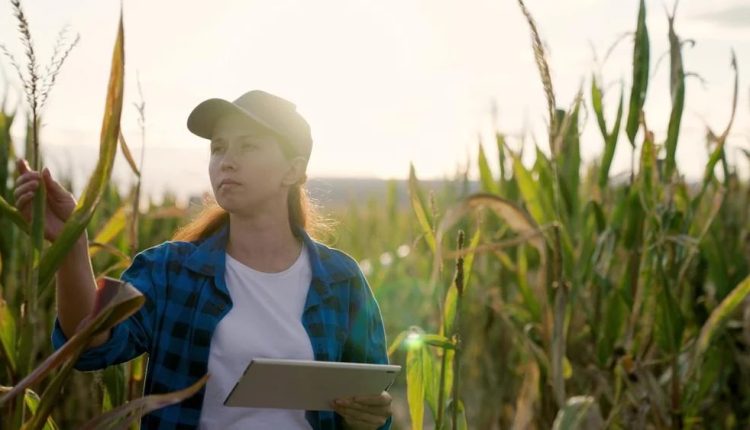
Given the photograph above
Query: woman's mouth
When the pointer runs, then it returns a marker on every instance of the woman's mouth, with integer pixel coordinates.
(228, 184)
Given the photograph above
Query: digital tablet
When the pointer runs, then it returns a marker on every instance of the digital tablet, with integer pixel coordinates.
(306, 384)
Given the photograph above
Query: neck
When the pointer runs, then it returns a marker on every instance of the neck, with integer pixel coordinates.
(263, 241)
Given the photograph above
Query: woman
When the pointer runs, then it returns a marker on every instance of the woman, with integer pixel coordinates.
(243, 280)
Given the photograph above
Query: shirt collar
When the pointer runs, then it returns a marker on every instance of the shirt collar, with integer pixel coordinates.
(209, 257)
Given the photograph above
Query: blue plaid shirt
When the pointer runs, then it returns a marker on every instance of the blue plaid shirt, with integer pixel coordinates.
(186, 297)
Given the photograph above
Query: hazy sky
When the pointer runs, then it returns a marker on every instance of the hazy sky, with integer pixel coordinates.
(382, 83)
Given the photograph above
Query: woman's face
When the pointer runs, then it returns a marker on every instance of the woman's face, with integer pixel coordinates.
(251, 160)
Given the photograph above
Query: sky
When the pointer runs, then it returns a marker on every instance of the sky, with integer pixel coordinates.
(383, 83)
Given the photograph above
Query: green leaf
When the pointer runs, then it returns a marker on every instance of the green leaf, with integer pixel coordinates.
(438, 341)
(32, 402)
(569, 158)
(715, 323)
(669, 321)
(718, 152)
(415, 386)
(6, 210)
(596, 102)
(677, 86)
(640, 74)
(615, 313)
(114, 226)
(113, 378)
(610, 144)
(529, 299)
(461, 423)
(485, 174)
(8, 334)
(84, 210)
(417, 204)
(536, 199)
(431, 382)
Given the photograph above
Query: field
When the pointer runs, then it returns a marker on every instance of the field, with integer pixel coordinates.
(539, 295)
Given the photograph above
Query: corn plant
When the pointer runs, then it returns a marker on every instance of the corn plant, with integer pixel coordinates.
(616, 304)
(114, 301)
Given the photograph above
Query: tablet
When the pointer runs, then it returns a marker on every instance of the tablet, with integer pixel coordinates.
(306, 384)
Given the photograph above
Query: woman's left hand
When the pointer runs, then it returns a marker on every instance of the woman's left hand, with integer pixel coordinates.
(364, 413)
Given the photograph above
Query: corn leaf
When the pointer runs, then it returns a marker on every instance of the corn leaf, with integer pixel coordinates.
(677, 86)
(640, 74)
(83, 212)
(415, 386)
(418, 205)
(128, 156)
(114, 226)
(8, 334)
(125, 415)
(485, 174)
(115, 301)
(6, 210)
(716, 322)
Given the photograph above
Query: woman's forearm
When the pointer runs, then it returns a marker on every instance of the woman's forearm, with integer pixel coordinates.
(76, 290)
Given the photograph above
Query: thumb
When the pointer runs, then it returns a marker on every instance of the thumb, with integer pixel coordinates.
(52, 185)
(22, 166)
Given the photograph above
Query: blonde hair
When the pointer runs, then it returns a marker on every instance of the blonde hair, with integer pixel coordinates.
(303, 214)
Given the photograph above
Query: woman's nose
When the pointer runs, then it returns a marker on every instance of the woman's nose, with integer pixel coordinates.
(229, 160)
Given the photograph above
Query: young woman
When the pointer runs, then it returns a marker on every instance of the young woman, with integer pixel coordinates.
(243, 280)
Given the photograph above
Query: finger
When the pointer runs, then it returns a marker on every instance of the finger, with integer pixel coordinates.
(369, 409)
(53, 186)
(22, 203)
(25, 188)
(22, 165)
(26, 177)
(361, 418)
(351, 414)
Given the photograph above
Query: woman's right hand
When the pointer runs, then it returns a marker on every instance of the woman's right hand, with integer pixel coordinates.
(60, 202)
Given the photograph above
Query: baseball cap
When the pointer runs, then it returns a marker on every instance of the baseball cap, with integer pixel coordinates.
(267, 110)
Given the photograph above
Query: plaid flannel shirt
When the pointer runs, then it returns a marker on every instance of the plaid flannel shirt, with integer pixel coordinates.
(186, 297)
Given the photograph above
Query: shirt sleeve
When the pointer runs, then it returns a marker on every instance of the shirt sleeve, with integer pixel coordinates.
(133, 336)
(366, 342)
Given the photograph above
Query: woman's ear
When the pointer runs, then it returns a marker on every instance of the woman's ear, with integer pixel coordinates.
(296, 173)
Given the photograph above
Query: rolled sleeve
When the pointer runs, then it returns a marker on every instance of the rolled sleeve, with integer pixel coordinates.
(132, 336)
(97, 357)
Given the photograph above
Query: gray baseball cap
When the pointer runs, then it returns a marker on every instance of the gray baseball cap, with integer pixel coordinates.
(267, 110)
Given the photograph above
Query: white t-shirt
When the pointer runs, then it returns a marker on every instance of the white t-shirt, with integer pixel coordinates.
(265, 321)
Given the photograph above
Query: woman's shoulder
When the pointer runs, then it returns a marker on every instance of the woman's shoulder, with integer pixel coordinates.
(337, 262)
(168, 250)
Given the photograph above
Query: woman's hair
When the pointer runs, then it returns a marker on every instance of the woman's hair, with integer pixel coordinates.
(303, 214)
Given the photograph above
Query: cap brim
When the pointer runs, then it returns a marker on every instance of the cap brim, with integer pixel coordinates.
(202, 119)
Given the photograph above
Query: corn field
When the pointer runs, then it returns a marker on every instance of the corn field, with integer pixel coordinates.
(557, 296)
